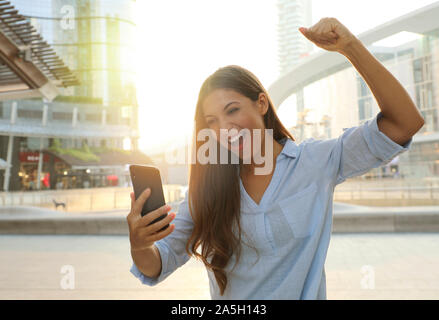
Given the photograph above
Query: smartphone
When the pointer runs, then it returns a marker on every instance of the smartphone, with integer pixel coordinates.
(144, 177)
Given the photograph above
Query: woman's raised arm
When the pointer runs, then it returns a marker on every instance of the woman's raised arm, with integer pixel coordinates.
(400, 118)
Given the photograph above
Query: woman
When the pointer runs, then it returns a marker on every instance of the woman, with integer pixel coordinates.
(266, 236)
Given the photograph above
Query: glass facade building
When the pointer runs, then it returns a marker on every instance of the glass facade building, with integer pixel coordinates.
(292, 46)
(95, 39)
(416, 65)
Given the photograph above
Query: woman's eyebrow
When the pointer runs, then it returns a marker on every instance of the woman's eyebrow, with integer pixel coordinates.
(227, 105)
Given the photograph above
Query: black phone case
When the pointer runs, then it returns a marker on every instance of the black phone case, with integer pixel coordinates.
(143, 177)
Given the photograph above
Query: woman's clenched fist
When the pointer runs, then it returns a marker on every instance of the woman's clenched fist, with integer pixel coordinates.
(329, 34)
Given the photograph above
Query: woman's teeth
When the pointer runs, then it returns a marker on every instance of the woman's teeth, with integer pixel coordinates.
(236, 138)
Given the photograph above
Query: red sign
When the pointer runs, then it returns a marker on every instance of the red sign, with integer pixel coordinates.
(33, 157)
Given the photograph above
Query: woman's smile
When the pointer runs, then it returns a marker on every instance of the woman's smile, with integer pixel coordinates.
(236, 143)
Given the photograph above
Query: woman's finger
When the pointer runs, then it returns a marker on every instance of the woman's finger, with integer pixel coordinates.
(162, 234)
(131, 214)
(132, 199)
(332, 34)
(312, 35)
(151, 229)
(323, 32)
(151, 216)
(138, 204)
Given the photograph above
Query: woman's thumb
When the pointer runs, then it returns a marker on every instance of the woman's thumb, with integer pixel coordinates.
(305, 32)
(302, 30)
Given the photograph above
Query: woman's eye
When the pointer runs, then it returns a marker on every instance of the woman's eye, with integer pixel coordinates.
(232, 110)
(209, 122)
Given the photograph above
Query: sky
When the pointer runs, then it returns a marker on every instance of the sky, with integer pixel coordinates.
(180, 43)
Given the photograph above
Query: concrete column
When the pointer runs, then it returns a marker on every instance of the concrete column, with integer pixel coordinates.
(8, 160)
(104, 117)
(40, 164)
(45, 112)
(75, 117)
(300, 105)
(14, 112)
(134, 143)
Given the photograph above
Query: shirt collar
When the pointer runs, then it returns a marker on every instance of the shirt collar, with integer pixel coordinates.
(290, 148)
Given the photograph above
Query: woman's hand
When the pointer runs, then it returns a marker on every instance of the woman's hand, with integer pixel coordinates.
(143, 235)
(329, 34)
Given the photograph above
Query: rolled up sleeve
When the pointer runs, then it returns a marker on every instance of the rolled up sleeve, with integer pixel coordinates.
(165, 272)
(361, 148)
(172, 249)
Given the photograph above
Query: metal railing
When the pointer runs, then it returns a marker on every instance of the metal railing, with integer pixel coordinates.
(394, 193)
(96, 199)
(99, 199)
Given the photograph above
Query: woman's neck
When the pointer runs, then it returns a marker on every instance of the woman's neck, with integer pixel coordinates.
(247, 170)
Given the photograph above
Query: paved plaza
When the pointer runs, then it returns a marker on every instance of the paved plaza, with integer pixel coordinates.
(359, 266)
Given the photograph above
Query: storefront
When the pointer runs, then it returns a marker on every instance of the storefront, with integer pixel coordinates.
(112, 169)
(28, 171)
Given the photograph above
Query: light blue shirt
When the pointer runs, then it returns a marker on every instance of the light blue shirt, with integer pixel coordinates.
(291, 226)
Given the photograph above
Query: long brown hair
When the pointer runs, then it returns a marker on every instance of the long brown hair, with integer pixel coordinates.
(214, 191)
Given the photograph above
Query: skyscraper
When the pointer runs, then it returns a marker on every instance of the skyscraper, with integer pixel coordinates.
(292, 44)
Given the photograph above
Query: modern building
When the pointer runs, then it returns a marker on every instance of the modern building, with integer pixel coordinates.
(345, 100)
(95, 38)
(29, 68)
(293, 47)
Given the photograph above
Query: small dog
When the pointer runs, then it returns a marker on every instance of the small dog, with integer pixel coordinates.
(59, 204)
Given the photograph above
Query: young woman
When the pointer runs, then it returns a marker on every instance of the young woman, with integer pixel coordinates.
(266, 236)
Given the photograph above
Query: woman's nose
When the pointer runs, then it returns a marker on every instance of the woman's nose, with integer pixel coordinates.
(228, 126)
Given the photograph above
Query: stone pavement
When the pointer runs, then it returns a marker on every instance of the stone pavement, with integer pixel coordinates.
(358, 266)
(346, 218)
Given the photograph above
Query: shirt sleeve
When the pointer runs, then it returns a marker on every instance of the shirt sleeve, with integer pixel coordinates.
(361, 148)
(172, 249)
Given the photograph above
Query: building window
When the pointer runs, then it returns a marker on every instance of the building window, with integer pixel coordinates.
(29, 114)
(365, 108)
(93, 117)
(431, 121)
(62, 116)
(34, 143)
(422, 69)
(424, 96)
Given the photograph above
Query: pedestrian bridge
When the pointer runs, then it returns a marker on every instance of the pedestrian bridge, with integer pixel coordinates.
(325, 63)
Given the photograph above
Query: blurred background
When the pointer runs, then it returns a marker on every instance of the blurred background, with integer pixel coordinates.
(89, 87)
(134, 70)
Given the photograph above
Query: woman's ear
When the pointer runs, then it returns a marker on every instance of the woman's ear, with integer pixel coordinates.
(263, 103)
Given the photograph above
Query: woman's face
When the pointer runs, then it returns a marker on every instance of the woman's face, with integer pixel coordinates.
(228, 109)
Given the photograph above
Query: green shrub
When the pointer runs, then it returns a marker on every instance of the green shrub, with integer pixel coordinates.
(84, 154)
